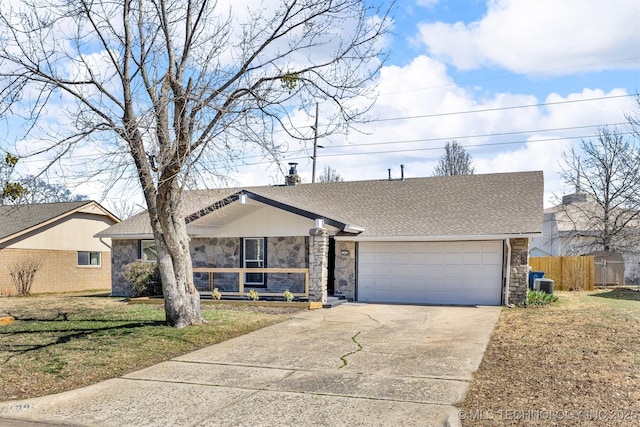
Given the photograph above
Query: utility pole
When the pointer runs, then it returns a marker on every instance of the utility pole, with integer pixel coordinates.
(315, 147)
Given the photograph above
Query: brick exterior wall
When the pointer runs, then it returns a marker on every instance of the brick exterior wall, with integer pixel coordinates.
(518, 281)
(59, 271)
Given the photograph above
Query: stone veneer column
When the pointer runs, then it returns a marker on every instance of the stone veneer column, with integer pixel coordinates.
(518, 283)
(318, 264)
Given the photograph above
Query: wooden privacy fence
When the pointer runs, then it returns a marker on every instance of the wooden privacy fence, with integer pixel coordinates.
(567, 272)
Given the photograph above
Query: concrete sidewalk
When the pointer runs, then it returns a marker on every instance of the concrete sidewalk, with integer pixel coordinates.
(356, 364)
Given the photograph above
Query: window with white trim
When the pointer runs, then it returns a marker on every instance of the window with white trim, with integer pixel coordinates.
(89, 259)
(253, 253)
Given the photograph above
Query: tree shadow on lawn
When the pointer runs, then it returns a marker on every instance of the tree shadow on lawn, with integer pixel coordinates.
(620, 293)
(68, 334)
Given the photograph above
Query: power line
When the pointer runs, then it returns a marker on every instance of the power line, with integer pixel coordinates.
(484, 110)
(408, 150)
(486, 135)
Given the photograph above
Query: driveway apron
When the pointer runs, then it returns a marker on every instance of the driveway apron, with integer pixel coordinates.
(355, 364)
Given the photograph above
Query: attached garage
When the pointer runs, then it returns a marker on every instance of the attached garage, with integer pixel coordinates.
(456, 272)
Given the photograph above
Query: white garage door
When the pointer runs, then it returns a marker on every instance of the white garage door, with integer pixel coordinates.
(430, 272)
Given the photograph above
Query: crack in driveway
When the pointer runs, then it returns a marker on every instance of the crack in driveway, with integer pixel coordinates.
(344, 356)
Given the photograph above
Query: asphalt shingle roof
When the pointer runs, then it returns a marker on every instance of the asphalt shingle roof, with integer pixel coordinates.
(471, 205)
(16, 218)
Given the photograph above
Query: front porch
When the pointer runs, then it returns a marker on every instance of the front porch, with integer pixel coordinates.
(230, 282)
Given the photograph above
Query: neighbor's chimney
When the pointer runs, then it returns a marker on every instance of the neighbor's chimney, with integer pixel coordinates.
(401, 172)
(292, 178)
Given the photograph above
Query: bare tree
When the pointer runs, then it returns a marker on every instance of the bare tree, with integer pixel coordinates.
(329, 174)
(604, 214)
(455, 161)
(40, 191)
(179, 89)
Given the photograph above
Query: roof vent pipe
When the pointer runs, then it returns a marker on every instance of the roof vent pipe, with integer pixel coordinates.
(389, 174)
(401, 172)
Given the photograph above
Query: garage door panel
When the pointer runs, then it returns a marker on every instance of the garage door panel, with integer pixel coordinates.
(454, 258)
(434, 258)
(430, 272)
(472, 258)
(418, 258)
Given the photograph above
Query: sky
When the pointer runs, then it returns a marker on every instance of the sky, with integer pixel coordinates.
(515, 82)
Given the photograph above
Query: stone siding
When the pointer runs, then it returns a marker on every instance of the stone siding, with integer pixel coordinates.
(123, 252)
(225, 252)
(287, 252)
(58, 272)
(318, 264)
(345, 269)
(518, 281)
(216, 252)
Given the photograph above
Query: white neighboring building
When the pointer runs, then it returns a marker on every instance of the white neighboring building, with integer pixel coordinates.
(568, 230)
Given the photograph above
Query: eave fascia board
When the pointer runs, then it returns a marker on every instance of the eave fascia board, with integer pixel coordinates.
(438, 238)
(120, 236)
(353, 228)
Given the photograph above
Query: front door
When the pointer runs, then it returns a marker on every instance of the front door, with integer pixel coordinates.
(331, 266)
(253, 252)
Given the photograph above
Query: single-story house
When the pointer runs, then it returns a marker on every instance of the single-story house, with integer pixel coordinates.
(59, 237)
(438, 240)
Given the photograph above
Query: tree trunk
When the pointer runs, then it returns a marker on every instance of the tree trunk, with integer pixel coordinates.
(181, 298)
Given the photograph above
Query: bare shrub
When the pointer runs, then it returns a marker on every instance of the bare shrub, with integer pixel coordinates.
(23, 272)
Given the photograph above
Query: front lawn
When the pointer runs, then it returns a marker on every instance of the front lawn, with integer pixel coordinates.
(59, 343)
(574, 362)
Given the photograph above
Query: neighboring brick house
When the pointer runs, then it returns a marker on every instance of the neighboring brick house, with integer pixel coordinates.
(60, 236)
(438, 240)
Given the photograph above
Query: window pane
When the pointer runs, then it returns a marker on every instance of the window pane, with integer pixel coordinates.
(251, 249)
(94, 258)
(148, 250)
(254, 258)
(83, 258)
(253, 279)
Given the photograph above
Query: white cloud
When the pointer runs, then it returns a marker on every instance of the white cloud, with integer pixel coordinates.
(549, 36)
(427, 3)
(423, 88)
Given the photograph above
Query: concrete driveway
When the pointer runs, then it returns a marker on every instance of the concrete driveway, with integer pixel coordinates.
(356, 364)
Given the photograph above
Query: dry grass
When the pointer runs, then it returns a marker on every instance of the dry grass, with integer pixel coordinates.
(59, 343)
(575, 362)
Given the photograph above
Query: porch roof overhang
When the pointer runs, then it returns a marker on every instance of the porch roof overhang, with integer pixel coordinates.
(237, 204)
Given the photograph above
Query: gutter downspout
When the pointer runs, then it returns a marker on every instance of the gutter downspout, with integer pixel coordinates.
(508, 278)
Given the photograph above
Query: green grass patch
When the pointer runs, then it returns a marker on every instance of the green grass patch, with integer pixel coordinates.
(61, 343)
(539, 298)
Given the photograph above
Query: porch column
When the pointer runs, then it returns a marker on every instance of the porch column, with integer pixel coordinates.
(519, 283)
(318, 264)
